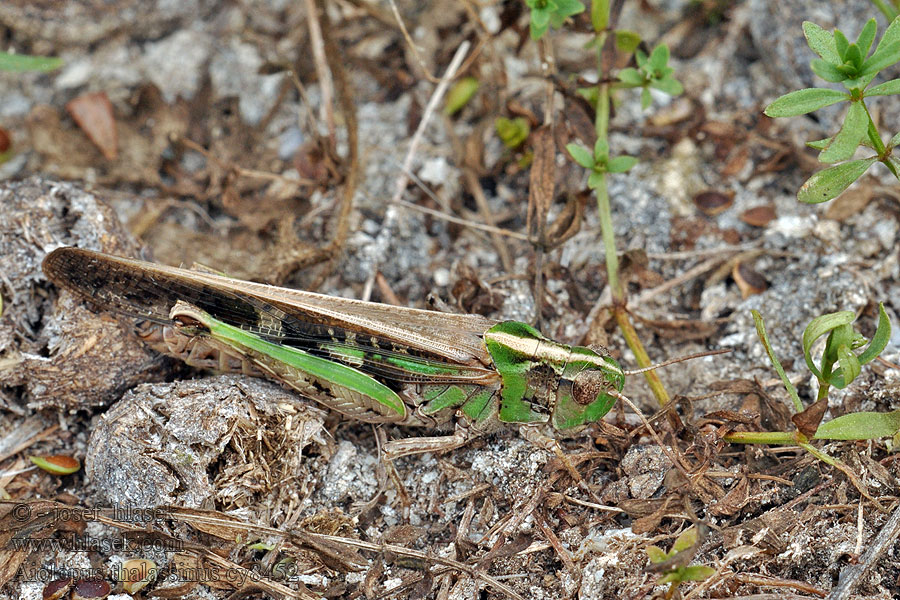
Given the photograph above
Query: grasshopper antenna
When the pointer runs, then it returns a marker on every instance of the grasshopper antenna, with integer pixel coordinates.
(678, 360)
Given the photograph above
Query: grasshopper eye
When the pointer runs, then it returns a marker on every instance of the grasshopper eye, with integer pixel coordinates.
(588, 385)
(184, 321)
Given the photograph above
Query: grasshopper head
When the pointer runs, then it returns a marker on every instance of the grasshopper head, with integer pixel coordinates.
(583, 395)
(188, 320)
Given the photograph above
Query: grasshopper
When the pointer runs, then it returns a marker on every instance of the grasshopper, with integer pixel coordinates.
(371, 362)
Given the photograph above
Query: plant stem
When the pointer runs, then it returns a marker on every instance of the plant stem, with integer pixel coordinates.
(761, 437)
(601, 126)
(888, 11)
(872, 132)
(609, 242)
(640, 355)
(823, 390)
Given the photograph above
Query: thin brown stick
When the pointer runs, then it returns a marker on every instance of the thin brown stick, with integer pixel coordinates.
(379, 248)
(323, 73)
(477, 192)
(460, 221)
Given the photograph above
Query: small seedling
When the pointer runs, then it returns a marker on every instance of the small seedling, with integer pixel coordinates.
(550, 13)
(460, 94)
(839, 365)
(653, 72)
(849, 64)
(674, 564)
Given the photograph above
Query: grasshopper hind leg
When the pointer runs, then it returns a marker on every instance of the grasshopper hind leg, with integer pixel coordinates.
(419, 445)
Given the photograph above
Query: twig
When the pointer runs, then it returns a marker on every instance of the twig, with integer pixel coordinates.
(485, 210)
(378, 248)
(460, 221)
(322, 71)
(852, 573)
(412, 46)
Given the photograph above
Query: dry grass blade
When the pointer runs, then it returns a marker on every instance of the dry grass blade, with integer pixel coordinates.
(541, 183)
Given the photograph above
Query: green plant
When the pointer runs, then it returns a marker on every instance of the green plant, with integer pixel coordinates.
(839, 365)
(550, 13)
(652, 72)
(460, 94)
(674, 564)
(850, 65)
(512, 132)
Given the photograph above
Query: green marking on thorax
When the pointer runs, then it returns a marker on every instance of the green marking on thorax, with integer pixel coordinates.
(519, 350)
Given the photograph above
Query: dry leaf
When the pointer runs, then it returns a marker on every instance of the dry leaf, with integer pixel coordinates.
(748, 280)
(758, 216)
(808, 420)
(852, 202)
(94, 114)
(541, 182)
(712, 202)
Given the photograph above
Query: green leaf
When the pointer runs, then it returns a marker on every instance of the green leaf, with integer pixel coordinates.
(841, 44)
(860, 426)
(697, 573)
(891, 35)
(867, 36)
(626, 41)
(888, 88)
(827, 70)
(640, 58)
(631, 77)
(620, 164)
(883, 57)
(599, 15)
(460, 94)
(591, 94)
(567, 8)
(849, 365)
(601, 150)
(540, 17)
(819, 144)
(596, 180)
(656, 554)
(854, 57)
(581, 155)
(537, 31)
(828, 184)
(820, 41)
(819, 327)
(646, 99)
(659, 57)
(894, 140)
(686, 539)
(804, 101)
(847, 140)
(880, 339)
(513, 132)
(22, 62)
(668, 85)
(764, 338)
